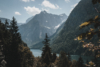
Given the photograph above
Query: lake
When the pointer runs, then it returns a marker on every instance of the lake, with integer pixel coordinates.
(38, 52)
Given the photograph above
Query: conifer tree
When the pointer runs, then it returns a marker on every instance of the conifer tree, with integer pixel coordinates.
(2, 43)
(2, 56)
(46, 54)
(69, 57)
(6, 24)
(16, 52)
(87, 62)
(80, 62)
(16, 40)
(63, 60)
(54, 57)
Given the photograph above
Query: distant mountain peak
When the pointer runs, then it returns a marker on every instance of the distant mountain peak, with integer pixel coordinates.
(34, 30)
(63, 14)
(43, 12)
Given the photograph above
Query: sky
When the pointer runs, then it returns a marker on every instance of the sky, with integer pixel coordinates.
(24, 9)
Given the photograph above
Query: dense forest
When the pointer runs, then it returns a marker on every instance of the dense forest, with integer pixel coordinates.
(15, 53)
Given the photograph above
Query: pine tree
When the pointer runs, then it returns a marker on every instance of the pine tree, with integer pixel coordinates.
(6, 24)
(2, 44)
(69, 57)
(63, 60)
(87, 62)
(2, 56)
(80, 62)
(16, 52)
(54, 57)
(46, 54)
(16, 40)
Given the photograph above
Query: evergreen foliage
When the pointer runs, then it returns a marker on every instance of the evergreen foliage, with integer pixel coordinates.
(6, 24)
(26, 57)
(16, 41)
(46, 54)
(54, 57)
(80, 62)
(90, 35)
(63, 60)
(64, 39)
(96, 60)
(95, 1)
(2, 56)
(16, 52)
(69, 57)
(87, 62)
(74, 63)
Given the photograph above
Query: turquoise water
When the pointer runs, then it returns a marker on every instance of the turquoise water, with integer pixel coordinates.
(37, 52)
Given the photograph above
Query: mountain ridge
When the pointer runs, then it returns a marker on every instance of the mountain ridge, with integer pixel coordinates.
(84, 11)
(34, 31)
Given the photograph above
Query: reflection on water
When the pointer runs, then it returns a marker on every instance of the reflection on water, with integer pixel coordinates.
(37, 52)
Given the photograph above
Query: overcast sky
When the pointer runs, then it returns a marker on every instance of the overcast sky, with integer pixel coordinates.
(23, 9)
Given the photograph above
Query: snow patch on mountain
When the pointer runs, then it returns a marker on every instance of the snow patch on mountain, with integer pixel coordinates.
(40, 35)
(56, 27)
(47, 27)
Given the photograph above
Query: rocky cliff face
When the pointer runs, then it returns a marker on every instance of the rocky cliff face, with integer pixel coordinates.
(34, 31)
(84, 11)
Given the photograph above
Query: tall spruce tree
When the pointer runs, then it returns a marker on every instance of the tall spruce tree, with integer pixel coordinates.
(46, 54)
(6, 24)
(69, 56)
(54, 57)
(80, 62)
(16, 40)
(87, 62)
(63, 60)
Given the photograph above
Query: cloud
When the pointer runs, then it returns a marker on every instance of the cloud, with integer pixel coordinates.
(26, 0)
(73, 6)
(32, 10)
(78, 0)
(17, 13)
(50, 5)
(32, 0)
(67, 1)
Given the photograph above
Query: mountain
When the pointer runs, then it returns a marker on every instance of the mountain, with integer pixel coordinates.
(39, 45)
(29, 19)
(4, 19)
(84, 11)
(34, 31)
